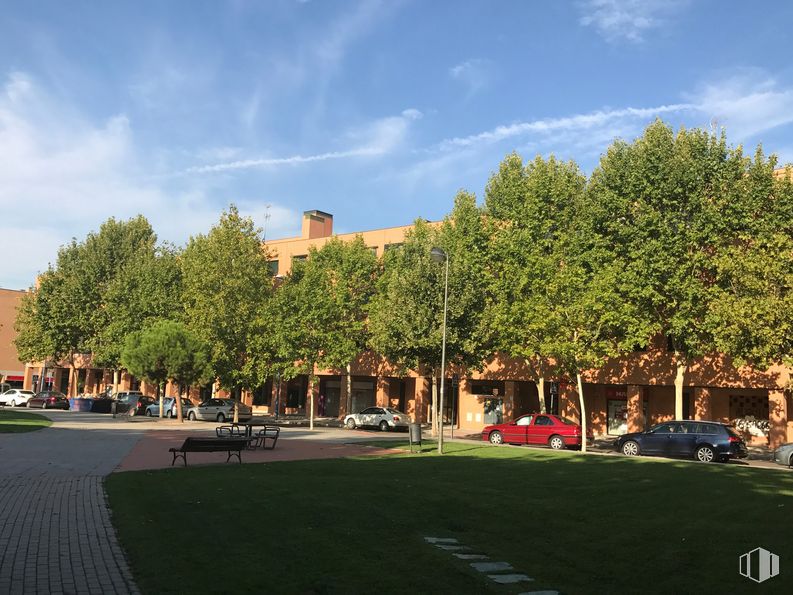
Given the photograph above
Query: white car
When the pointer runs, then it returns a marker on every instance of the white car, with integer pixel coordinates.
(218, 410)
(16, 397)
(383, 418)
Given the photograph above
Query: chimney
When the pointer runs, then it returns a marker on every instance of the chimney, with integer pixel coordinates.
(316, 224)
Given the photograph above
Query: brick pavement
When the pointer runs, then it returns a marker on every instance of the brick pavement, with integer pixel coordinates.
(55, 530)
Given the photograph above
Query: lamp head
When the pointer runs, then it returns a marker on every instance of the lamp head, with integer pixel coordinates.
(438, 255)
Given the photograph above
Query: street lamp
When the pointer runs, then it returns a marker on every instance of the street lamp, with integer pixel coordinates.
(439, 255)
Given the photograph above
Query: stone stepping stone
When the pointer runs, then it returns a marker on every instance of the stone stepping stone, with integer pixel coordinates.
(539, 593)
(509, 579)
(440, 540)
(471, 556)
(452, 548)
(492, 566)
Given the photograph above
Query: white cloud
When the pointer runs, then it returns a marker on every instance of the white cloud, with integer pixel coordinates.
(474, 74)
(376, 138)
(746, 103)
(626, 19)
(577, 122)
(62, 175)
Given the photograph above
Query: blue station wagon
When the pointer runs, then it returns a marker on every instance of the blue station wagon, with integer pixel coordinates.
(702, 440)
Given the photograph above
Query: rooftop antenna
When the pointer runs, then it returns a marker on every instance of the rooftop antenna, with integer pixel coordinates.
(266, 219)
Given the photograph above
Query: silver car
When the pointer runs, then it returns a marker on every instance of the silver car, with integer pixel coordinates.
(16, 397)
(383, 418)
(218, 410)
(168, 407)
(784, 454)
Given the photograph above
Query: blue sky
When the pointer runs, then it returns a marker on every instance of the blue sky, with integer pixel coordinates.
(375, 111)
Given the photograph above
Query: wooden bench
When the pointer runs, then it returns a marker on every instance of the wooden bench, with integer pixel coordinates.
(233, 446)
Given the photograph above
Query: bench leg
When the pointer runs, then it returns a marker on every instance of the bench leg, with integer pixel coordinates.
(176, 455)
(232, 453)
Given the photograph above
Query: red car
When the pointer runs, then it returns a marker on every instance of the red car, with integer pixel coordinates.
(537, 428)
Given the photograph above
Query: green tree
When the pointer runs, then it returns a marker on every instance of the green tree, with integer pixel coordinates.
(406, 315)
(167, 350)
(226, 281)
(527, 209)
(664, 203)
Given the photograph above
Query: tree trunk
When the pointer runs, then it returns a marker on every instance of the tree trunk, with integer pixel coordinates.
(583, 412)
(160, 398)
(349, 389)
(434, 405)
(680, 371)
(235, 409)
(311, 401)
(115, 382)
(179, 415)
(541, 392)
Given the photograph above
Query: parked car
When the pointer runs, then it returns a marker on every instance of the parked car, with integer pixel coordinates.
(16, 397)
(132, 402)
(537, 428)
(168, 407)
(218, 410)
(49, 399)
(784, 454)
(703, 440)
(384, 418)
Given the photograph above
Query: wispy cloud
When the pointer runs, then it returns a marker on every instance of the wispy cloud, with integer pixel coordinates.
(629, 20)
(579, 122)
(474, 74)
(377, 138)
(61, 175)
(746, 102)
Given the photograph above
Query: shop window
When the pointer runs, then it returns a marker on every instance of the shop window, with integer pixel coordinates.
(487, 387)
(272, 265)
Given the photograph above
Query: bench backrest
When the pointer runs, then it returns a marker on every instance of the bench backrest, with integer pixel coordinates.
(209, 444)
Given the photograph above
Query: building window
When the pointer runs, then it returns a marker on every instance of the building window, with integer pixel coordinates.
(487, 387)
(273, 266)
(299, 258)
(373, 249)
(388, 247)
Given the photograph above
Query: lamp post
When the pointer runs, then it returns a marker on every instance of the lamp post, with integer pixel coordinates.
(439, 255)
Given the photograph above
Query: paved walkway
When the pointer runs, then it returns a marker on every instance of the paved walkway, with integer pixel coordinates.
(55, 529)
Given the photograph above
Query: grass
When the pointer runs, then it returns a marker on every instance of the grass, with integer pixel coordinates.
(579, 524)
(15, 422)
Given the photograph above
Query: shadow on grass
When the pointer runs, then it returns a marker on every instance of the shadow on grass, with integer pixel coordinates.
(567, 520)
(16, 422)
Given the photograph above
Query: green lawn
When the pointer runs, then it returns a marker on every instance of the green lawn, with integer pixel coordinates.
(13, 422)
(579, 524)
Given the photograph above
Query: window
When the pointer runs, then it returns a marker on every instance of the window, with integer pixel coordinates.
(373, 249)
(664, 429)
(388, 247)
(567, 422)
(272, 265)
(525, 420)
(543, 420)
(368, 411)
(299, 258)
(485, 387)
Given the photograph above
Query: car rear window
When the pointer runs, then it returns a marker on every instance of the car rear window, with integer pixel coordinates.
(732, 432)
(567, 422)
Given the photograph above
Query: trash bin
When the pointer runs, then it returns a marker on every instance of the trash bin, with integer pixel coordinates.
(414, 436)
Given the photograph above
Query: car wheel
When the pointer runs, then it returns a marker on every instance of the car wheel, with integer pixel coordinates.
(350, 424)
(556, 442)
(790, 461)
(705, 454)
(13, 403)
(383, 426)
(148, 412)
(496, 438)
(191, 416)
(44, 405)
(220, 418)
(168, 414)
(630, 448)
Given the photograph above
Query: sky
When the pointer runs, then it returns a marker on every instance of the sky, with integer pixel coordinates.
(377, 111)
